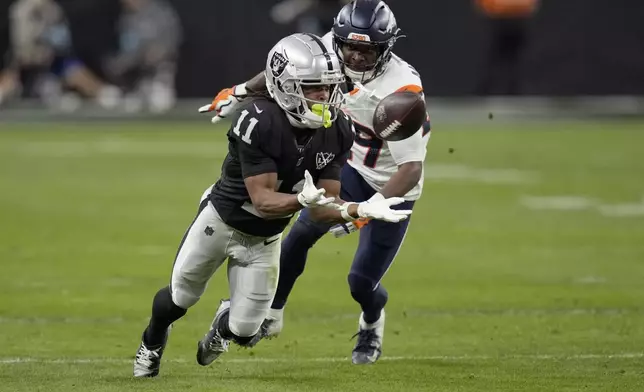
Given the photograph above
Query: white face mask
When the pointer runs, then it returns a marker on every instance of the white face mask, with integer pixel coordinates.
(296, 105)
(359, 77)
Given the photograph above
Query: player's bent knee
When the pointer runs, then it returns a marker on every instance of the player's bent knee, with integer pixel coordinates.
(360, 286)
(247, 315)
(244, 329)
(184, 298)
(255, 288)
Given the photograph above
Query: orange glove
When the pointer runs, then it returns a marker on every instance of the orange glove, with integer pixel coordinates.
(225, 102)
(347, 228)
(360, 223)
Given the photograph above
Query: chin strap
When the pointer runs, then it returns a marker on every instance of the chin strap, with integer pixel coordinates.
(294, 121)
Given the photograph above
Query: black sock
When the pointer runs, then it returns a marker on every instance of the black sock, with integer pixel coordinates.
(373, 308)
(164, 313)
(371, 300)
(224, 329)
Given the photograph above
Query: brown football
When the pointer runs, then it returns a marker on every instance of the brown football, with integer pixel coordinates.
(399, 115)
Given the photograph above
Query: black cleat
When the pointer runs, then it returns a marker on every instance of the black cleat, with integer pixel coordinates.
(369, 345)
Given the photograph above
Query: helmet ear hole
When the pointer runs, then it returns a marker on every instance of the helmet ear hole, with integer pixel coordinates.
(289, 88)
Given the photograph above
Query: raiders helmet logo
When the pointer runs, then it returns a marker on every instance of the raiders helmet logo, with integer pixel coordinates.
(278, 64)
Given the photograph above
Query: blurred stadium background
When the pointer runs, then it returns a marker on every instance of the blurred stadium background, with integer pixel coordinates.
(524, 266)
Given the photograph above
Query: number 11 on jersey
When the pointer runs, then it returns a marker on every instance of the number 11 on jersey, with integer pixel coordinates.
(251, 125)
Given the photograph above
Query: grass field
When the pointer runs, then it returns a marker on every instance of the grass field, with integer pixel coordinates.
(523, 269)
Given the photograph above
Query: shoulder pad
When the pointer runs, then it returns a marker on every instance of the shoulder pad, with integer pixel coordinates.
(399, 76)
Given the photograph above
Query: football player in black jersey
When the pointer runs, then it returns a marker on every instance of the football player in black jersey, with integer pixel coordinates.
(363, 36)
(285, 153)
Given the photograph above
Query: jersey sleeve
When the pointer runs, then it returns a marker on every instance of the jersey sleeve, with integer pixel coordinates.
(347, 134)
(412, 149)
(252, 134)
(408, 79)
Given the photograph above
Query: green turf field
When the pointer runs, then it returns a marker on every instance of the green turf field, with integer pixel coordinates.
(523, 269)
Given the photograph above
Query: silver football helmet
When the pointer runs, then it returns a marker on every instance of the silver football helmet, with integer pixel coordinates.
(303, 60)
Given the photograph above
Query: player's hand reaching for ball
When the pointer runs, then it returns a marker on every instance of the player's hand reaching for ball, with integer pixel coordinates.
(380, 208)
(225, 102)
(377, 207)
(312, 196)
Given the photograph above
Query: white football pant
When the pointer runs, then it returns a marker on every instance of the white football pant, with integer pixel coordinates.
(253, 269)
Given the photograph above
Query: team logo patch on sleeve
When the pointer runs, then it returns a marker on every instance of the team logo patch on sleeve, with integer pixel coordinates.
(278, 64)
(322, 159)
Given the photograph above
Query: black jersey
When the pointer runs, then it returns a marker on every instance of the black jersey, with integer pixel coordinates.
(262, 140)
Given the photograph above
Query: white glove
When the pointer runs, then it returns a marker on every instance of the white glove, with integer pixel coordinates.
(225, 102)
(312, 196)
(379, 208)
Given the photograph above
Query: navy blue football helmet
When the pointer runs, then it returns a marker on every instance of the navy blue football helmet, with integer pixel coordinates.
(364, 32)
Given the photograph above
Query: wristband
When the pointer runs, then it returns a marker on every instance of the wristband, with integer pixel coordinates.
(344, 211)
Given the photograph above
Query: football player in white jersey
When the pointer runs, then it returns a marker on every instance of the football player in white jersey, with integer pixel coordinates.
(363, 35)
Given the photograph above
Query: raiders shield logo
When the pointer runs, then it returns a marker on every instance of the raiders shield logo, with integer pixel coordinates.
(278, 64)
(322, 159)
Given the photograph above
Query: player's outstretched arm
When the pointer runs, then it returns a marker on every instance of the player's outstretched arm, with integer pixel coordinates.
(328, 215)
(272, 204)
(409, 155)
(377, 207)
(257, 85)
(226, 101)
(404, 180)
(267, 202)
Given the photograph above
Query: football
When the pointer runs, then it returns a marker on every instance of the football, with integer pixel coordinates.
(399, 115)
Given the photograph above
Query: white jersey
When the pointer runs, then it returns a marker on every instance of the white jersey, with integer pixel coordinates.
(377, 160)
